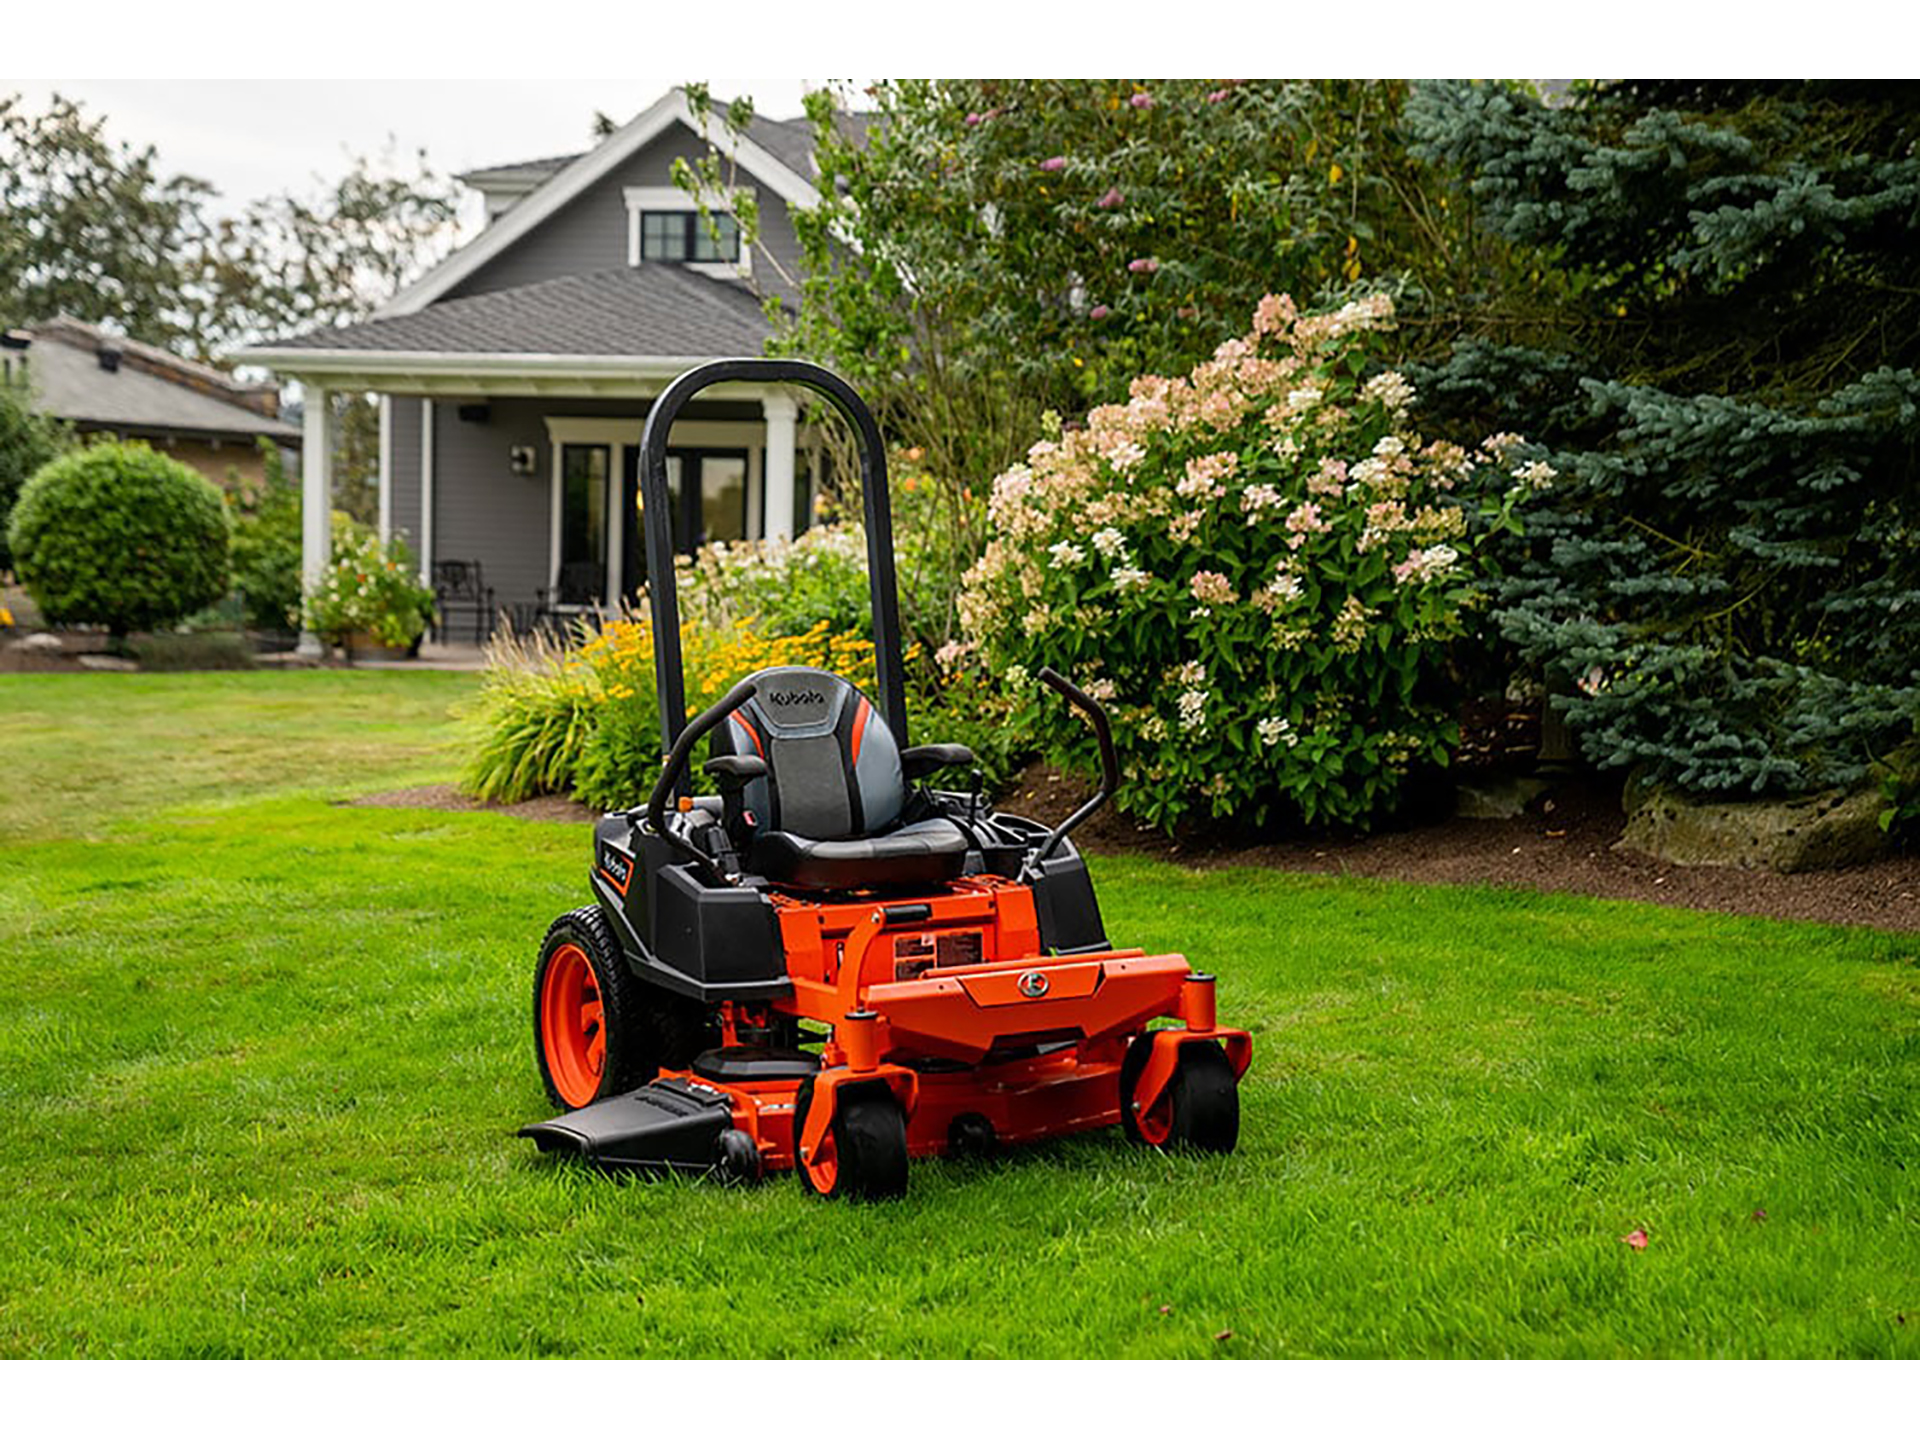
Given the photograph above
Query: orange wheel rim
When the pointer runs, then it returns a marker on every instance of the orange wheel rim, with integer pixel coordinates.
(1156, 1125)
(573, 1030)
(824, 1169)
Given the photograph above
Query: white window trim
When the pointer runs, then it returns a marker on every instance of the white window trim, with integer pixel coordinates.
(642, 198)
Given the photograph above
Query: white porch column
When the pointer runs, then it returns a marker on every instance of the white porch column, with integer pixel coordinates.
(386, 470)
(316, 498)
(776, 512)
(426, 491)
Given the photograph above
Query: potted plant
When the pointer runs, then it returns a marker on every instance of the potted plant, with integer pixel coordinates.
(370, 602)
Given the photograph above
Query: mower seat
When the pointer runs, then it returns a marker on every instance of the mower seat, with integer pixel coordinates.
(827, 813)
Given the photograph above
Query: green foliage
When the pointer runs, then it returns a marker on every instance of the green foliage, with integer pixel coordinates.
(120, 536)
(94, 228)
(1720, 339)
(266, 545)
(783, 587)
(1259, 568)
(985, 251)
(28, 440)
(369, 591)
(77, 209)
(200, 650)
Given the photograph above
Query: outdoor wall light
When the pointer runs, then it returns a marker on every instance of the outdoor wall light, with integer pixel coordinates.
(520, 459)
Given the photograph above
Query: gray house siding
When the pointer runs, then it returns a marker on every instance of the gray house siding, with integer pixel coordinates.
(589, 233)
(482, 510)
(404, 476)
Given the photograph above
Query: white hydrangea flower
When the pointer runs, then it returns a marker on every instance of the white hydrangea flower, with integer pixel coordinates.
(1193, 709)
(1111, 544)
(1066, 553)
(1276, 730)
(1128, 578)
(1538, 474)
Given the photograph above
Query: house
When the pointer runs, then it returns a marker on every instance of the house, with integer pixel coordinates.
(514, 378)
(106, 385)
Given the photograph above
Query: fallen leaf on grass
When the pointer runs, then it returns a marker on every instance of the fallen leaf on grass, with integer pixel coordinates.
(1223, 1335)
(1637, 1239)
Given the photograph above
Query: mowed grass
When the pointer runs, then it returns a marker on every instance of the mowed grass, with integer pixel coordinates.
(261, 1058)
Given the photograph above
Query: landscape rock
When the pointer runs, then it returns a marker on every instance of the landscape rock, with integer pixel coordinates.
(1814, 832)
(41, 641)
(108, 662)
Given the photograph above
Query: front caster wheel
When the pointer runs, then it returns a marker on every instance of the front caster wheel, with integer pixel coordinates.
(736, 1159)
(864, 1153)
(1199, 1109)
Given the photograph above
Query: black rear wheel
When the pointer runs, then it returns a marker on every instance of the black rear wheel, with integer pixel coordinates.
(864, 1155)
(598, 1029)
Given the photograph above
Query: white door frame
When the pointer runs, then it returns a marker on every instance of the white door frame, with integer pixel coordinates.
(621, 434)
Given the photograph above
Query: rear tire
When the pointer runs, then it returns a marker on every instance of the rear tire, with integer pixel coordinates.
(868, 1140)
(1200, 1109)
(598, 1029)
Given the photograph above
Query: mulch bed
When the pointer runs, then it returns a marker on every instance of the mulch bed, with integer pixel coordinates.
(1564, 842)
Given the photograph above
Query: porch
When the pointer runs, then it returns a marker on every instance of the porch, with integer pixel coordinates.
(537, 495)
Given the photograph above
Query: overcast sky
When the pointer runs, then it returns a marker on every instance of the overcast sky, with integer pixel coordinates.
(250, 138)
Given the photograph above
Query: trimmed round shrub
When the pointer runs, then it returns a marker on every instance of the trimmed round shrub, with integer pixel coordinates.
(1258, 568)
(121, 536)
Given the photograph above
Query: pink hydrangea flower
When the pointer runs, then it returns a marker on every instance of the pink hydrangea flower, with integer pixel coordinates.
(1145, 265)
(1099, 312)
(1111, 200)
(1141, 101)
(1054, 162)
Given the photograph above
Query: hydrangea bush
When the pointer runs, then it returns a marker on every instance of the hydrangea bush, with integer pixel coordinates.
(1258, 568)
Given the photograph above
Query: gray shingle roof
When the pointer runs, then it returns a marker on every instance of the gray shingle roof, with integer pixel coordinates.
(67, 381)
(646, 310)
(521, 170)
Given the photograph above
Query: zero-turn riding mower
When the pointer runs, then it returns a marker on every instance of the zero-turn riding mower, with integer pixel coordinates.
(954, 955)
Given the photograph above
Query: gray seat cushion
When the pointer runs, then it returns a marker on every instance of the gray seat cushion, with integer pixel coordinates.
(928, 853)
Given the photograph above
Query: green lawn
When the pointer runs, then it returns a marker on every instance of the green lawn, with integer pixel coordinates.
(261, 1059)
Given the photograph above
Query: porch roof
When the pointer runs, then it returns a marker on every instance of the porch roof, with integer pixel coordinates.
(640, 324)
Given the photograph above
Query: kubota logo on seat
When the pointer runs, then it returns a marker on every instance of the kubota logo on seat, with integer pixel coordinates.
(1033, 984)
(797, 697)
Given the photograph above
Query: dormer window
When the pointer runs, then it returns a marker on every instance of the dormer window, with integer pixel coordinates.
(665, 227)
(677, 237)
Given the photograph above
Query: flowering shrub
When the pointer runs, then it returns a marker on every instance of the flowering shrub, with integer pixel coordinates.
(369, 591)
(621, 756)
(1257, 567)
(784, 586)
(583, 717)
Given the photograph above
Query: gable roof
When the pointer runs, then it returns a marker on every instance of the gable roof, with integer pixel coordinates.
(149, 389)
(651, 311)
(576, 175)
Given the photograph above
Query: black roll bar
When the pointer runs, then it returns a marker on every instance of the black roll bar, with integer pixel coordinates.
(1109, 762)
(667, 664)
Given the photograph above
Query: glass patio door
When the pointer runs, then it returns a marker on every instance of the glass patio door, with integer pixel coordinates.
(707, 493)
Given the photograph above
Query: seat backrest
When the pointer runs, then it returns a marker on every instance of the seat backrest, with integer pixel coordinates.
(833, 767)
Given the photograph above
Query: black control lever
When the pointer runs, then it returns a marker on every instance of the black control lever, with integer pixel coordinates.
(1109, 762)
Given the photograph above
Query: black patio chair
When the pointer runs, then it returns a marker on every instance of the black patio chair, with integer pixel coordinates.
(459, 588)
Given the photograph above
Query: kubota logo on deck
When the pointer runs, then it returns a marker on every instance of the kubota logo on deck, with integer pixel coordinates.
(1033, 984)
(797, 697)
